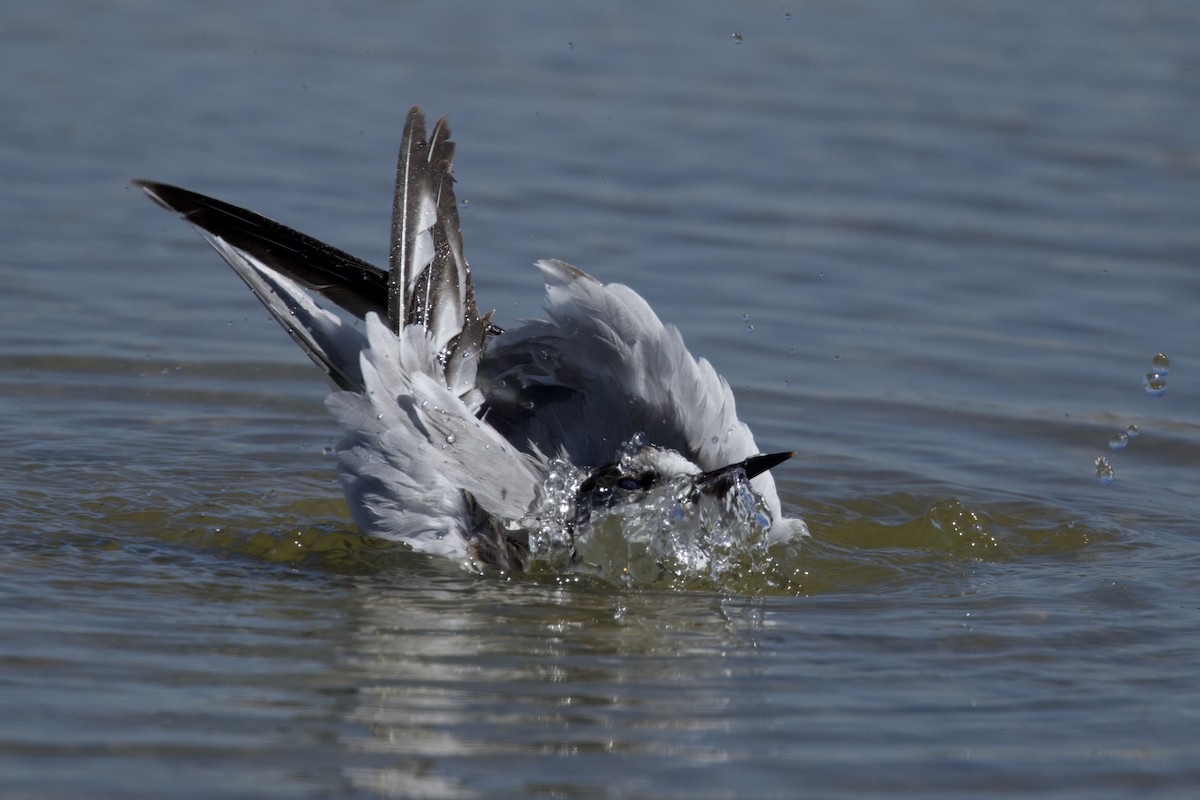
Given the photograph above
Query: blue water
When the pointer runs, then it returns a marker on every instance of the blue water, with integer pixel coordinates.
(934, 248)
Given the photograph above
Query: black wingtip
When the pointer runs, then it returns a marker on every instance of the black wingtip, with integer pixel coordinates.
(185, 201)
(156, 191)
(354, 284)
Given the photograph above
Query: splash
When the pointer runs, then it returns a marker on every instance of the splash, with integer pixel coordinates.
(670, 536)
(551, 537)
(1155, 383)
(1104, 471)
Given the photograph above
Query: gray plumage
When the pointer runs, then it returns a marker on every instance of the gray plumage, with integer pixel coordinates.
(452, 425)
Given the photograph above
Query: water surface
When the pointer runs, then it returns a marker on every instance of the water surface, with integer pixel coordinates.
(934, 248)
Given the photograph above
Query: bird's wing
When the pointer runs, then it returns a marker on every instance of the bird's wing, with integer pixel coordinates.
(604, 352)
(354, 284)
(604, 367)
(278, 264)
(429, 282)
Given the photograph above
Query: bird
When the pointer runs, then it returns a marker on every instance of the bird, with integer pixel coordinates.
(505, 449)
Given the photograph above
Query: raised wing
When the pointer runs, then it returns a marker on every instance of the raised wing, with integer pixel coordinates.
(354, 284)
(428, 283)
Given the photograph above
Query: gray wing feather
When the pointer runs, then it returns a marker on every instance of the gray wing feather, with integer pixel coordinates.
(412, 220)
(429, 281)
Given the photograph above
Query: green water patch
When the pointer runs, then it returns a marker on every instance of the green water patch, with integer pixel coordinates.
(898, 540)
(873, 544)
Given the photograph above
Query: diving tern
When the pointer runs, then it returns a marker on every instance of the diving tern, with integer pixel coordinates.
(502, 448)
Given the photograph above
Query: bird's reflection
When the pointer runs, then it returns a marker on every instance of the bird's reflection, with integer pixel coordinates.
(460, 678)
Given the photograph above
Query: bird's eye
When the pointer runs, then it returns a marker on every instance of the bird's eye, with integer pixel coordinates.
(629, 484)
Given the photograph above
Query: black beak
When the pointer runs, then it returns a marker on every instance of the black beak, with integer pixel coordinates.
(719, 480)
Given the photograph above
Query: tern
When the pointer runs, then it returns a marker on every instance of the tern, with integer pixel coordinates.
(502, 448)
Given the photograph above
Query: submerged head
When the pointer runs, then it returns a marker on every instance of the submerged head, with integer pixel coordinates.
(642, 469)
(651, 512)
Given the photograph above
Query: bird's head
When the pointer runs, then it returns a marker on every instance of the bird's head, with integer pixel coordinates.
(644, 469)
(653, 512)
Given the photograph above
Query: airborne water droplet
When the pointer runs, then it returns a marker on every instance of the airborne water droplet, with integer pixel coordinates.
(1104, 471)
(1162, 364)
(1132, 431)
(1119, 441)
(1156, 385)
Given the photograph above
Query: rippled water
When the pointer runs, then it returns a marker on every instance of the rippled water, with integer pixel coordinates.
(947, 252)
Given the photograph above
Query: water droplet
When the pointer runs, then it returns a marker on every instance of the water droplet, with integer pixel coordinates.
(1156, 385)
(1132, 431)
(1104, 471)
(1162, 364)
(737, 37)
(1119, 441)
(450, 438)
